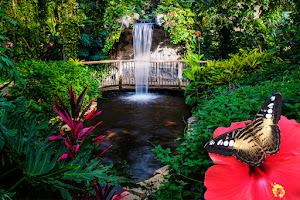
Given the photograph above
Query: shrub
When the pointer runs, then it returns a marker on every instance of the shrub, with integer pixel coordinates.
(31, 163)
(271, 71)
(44, 77)
(221, 72)
(220, 107)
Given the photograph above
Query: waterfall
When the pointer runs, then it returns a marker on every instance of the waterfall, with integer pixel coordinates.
(142, 39)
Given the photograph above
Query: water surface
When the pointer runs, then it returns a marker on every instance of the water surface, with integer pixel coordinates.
(130, 124)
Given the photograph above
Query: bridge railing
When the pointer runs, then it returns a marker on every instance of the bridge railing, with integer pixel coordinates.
(162, 73)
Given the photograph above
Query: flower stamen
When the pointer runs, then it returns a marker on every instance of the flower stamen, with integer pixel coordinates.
(278, 190)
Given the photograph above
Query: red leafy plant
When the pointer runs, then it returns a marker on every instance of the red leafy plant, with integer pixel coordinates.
(74, 139)
(75, 120)
(276, 178)
(103, 191)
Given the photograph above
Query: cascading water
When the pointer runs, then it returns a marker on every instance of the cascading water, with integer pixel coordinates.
(142, 39)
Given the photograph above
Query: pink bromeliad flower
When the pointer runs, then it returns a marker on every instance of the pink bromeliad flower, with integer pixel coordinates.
(276, 178)
(75, 120)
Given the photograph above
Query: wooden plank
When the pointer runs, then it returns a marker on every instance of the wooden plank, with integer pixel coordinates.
(117, 61)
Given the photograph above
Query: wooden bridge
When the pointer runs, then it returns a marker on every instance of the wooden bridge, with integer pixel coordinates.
(162, 73)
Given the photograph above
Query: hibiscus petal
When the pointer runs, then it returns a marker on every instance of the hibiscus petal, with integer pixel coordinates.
(287, 174)
(228, 182)
(224, 160)
(290, 140)
(235, 125)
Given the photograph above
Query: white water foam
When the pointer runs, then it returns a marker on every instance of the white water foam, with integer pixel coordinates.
(141, 98)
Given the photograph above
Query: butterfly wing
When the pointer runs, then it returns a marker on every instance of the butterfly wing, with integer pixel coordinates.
(239, 143)
(251, 144)
(271, 110)
(248, 147)
(223, 144)
(265, 124)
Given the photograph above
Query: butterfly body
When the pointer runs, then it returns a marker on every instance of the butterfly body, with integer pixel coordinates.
(251, 144)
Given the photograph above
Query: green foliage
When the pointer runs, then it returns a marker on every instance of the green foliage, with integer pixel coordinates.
(23, 147)
(45, 29)
(229, 26)
(24, 35)
(219, 107)
(29, 161)
(44, 77)
(115, 10)
(179, 21)
(221, 72)
(273, 72)
(7, 68)
(5, 195)
(91, 46)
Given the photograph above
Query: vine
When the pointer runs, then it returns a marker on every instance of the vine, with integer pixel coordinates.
(179, 21)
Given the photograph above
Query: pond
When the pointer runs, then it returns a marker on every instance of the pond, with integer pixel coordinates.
(132, 126)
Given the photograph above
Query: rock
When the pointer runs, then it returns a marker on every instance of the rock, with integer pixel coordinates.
(190, 121)
(135, 16)
(257, 12)
(149, 186)
(125, 22)
(164, 170)
(159, 19)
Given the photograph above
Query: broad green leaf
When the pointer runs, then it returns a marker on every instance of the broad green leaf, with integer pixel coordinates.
(189, 74)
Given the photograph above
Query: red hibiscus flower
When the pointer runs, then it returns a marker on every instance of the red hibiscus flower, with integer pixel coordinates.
(276, 178)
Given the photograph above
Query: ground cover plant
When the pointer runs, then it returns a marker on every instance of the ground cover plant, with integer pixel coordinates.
(220, 107)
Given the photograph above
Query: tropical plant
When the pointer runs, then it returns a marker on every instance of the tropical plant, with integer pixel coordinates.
(7, 68)
(43, 77)
(113, 21)
(79, 142)
(179, 22)
(75, 121)
(27, 157)
(29, 161)
(221, 72)
(104, 192)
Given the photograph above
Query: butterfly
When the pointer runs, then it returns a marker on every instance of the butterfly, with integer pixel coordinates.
(251, 144)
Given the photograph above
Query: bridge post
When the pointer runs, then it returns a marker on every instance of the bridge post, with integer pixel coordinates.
(120, 78)
(179, 74)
